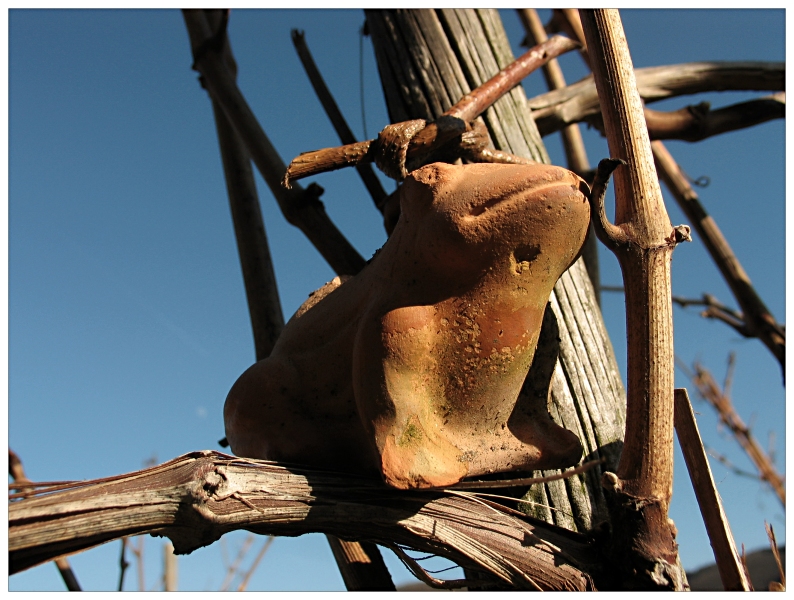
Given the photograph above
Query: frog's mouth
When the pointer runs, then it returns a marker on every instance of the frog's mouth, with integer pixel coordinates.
(564, 187)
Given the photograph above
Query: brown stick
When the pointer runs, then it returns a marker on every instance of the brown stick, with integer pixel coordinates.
(579, 101)
(696, 123)
(264, 305)
(123, 564)
(17, 472)
(711, 392)
(572, 142)
(567, 21)
(472, 105)
(719, 531)
(714, 309)
(757, 317)
(431, 139)
(367, 566)
(301, 208)
(643, 240)
(365, 171)
(196, 498)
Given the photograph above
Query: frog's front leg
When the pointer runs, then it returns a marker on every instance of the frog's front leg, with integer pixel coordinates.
(400, 395)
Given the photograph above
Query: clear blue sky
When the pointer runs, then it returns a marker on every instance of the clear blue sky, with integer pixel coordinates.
(127, 314)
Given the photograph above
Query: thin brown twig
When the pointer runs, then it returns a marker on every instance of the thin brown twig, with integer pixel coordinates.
(718, 311)
(757, 318)
(714, 310)
(300, 207)
(259, 556)
(708, 389)
(365, 171)
(770, 532)
(233, 568)
(725, 461)
(123, 563)
(566, 20)
(428, 139)
(697, 122)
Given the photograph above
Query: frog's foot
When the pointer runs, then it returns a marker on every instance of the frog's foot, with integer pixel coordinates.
(546, 444)
(412, 457)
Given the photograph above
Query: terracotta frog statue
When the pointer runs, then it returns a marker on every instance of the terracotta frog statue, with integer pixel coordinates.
(412, 368)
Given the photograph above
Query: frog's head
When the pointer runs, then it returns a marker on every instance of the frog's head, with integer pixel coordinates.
(512, 218)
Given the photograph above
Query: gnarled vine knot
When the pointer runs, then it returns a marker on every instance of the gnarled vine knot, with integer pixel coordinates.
(392, 147)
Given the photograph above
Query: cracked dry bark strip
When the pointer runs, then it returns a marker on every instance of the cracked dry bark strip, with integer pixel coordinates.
(467, 33)
(196, 498)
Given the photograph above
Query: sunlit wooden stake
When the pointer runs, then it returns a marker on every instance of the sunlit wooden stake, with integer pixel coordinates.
(719, 531)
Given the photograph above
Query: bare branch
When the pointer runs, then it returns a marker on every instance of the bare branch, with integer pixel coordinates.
(698, 122)
(708, 389)
(123, 564)
(567, 20)
(301, 208)
(758, 321)
(716, 310)
(196, 498)
(331, 108)
(579, 101)
(235, 566)
(264, 305)
(773, 543)
(426, 141)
